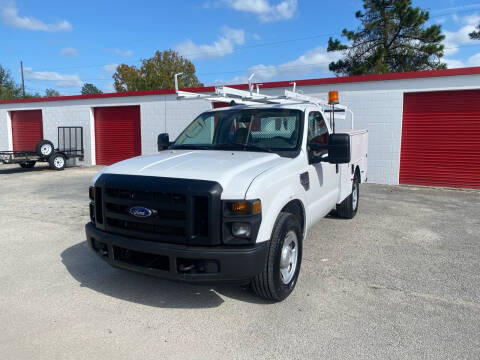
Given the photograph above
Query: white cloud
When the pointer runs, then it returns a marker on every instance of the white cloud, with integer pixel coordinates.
(69, 51)
(126, 53)
(266, 10)
(256, 36)
(454, 39)
(59, 79)
(316, 59)
(9, 16)
(473, 60)
(224, 45)
(110, 68)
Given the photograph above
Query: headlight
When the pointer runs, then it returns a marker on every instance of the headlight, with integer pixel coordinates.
(241, 229)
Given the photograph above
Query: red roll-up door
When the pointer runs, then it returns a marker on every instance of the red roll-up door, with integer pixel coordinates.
(219, 104)
(27, 129)
(441, 139)
(117, 133)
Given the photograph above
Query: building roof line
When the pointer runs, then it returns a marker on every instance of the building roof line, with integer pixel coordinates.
(269, 85)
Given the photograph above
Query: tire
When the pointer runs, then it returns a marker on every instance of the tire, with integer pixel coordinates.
(277, 281)
(44, 148)
(28, 164)
(348, 208)
(57, 162)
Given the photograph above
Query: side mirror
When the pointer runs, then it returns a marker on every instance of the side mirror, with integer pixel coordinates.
(339, 148)
(163, 141)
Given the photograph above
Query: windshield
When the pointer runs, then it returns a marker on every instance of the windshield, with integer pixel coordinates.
(273, 130)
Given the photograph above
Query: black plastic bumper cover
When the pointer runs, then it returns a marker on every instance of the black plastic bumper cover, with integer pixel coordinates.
(234, 263)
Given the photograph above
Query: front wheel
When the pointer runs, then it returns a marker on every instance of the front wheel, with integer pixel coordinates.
(57, 162)
(282, 266)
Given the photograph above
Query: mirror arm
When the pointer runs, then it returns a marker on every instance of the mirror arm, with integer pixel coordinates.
(316, 147)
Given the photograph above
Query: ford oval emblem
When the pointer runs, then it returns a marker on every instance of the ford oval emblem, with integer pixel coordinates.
(140, 211)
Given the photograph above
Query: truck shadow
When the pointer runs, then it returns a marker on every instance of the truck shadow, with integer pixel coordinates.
(15, 169)
(93, 273)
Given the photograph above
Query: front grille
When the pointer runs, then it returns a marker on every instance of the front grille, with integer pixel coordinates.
(182, 211)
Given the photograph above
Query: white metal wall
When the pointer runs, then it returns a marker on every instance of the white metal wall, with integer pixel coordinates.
(157, 114)
(378, 107)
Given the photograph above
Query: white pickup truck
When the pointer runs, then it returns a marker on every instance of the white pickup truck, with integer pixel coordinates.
(232, 198)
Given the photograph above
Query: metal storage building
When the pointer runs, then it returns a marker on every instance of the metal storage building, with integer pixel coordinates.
(424, 127)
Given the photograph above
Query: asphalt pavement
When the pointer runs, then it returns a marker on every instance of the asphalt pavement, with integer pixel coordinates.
(399, 281)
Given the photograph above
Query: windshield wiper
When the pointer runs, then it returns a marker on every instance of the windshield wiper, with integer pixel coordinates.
(191, 146)
(244, 147)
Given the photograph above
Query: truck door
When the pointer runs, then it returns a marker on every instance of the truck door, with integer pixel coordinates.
(324, 179)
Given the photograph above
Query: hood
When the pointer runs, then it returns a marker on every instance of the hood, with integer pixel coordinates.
(233, 170)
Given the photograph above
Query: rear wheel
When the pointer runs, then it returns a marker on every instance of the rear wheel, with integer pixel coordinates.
(57, 162)
(44, 148)
(28, 164)
(282, 266)
(348, 208)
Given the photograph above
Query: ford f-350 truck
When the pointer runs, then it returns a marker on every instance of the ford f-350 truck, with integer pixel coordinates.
(232, 198)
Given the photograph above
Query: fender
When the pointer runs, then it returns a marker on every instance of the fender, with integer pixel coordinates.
(276, 195)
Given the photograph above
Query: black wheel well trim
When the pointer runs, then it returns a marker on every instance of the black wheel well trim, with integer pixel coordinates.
(357, 174)
(297, 209)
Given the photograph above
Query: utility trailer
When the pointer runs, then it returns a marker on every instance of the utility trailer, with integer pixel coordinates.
(70, 145)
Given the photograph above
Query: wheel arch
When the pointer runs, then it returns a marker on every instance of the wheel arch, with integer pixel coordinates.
(358, 174)
(297, 209)
(289, 202)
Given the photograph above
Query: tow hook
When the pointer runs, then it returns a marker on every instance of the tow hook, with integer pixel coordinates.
(186, 268)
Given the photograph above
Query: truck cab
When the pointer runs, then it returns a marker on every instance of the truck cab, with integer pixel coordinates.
(231, 199)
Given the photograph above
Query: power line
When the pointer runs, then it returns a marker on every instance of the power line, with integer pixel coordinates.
(281, 67)
(472, 7)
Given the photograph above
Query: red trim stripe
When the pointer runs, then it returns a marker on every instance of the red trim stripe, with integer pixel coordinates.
(275, 84)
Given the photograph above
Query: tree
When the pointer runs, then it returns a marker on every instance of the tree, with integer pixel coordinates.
(156, 73)
(8, 88)
(475, 35)
(90, 89)
(392, 38)
(51, 93)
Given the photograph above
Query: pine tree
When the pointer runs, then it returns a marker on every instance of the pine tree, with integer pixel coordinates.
(475, 35)
(392, 38)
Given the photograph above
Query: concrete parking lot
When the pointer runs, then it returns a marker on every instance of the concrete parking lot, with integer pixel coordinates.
(401, 280)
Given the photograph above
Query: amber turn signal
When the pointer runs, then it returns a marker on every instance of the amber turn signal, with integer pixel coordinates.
(246, 207)
(91, 193)
(257, 207)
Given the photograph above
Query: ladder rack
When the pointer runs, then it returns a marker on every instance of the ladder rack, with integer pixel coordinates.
(253, 96)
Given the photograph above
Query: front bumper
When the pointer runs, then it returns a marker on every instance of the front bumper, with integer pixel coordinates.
(178, 262)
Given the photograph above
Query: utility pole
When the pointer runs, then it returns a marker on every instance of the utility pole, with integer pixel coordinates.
(23, 81)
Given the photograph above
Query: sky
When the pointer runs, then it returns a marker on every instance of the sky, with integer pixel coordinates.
(64, 44)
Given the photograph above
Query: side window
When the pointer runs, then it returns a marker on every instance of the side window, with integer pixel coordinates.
(317, 128)
(199, 132)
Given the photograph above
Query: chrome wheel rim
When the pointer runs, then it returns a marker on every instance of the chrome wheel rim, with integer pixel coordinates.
(289, 257)
(58, 162)
(355, 195)
(46, 149)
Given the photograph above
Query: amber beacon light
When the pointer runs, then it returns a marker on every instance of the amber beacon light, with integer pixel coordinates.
(333, 97)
